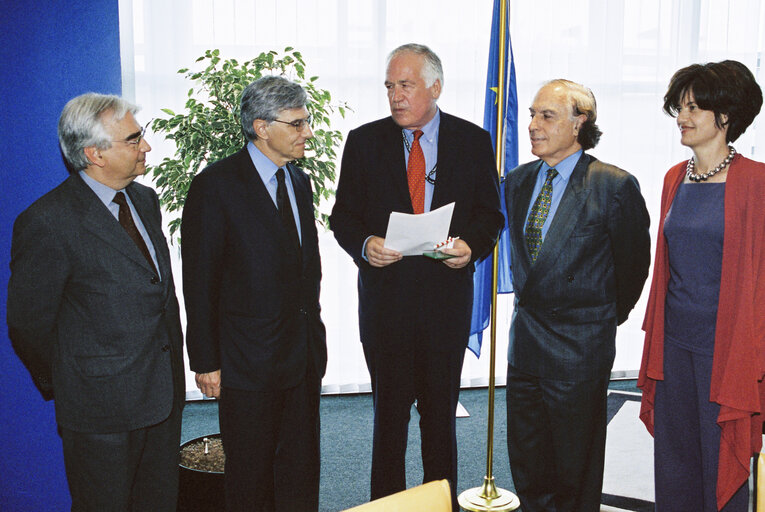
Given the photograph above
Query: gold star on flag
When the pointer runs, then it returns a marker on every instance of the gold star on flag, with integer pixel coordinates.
(496, 92)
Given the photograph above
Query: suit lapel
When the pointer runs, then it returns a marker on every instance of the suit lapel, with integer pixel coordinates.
(304, 200)
(566, 218)
(520, 208)
(260, 200)
(392, 159)
(445, 171)
(145, 206)
(258, 196)
(97, 219)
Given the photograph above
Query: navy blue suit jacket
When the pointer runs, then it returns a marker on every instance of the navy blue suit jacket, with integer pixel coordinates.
(588, 274)
(373, 184)
(252, 306)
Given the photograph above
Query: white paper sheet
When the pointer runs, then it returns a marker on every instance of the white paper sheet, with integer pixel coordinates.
(411, 235)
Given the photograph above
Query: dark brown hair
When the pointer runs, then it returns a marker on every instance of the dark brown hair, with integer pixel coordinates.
(726, 88)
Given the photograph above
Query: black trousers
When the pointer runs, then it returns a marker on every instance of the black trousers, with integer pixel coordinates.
(556, 440)
(271, 440)
(398, 379)
(124, 471)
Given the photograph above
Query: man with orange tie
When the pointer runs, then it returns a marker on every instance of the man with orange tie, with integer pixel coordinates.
(414, 312)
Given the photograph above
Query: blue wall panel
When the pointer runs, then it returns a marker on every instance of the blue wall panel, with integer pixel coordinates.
(50, 51)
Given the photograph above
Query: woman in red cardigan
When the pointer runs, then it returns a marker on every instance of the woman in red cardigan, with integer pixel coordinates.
(704, 354)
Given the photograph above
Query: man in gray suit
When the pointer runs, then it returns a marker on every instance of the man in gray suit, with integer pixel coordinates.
(92, 313)
(580, 256)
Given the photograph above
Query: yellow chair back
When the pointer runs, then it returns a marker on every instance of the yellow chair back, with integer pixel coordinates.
(430, 497)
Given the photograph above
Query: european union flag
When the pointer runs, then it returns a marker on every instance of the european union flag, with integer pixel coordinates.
(482, 292)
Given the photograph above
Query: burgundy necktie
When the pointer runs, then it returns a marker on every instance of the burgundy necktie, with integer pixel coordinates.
(126, 221)
(415, 172)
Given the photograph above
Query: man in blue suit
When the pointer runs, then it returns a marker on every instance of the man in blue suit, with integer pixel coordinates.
(414, 312)
(251, 276)
(580, 256)
(93, 315)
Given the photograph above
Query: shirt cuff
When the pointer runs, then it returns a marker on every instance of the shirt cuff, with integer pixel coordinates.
(364, 249)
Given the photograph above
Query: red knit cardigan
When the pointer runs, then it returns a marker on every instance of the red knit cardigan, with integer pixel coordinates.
(739, 351)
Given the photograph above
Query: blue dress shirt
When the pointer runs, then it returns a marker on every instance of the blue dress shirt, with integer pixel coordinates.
(267, 171)
(106, 195)
(565, 168)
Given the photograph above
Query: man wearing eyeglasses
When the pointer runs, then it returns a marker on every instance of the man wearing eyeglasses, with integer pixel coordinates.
(251, 275)
(414, 312)
(92, 313)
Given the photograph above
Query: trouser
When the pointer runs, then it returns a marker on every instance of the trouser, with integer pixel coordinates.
(687, 437)
(124, 471)
(271, 441)
(556, 440)
(432, 378)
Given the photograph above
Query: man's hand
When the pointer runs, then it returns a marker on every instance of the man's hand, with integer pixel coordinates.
(462, 252)
(209, 383)
(379, 256)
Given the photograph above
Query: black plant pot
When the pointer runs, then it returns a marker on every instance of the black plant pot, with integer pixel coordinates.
(200, 491)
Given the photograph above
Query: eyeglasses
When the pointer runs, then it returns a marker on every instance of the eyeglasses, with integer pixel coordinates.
(136, 141)
(298, 124)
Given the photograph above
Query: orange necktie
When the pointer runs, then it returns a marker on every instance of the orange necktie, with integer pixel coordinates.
(415, 172)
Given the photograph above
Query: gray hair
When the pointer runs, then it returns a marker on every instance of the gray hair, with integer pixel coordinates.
(81, 125)
(582, 102)
(431, 68)
(265, 98)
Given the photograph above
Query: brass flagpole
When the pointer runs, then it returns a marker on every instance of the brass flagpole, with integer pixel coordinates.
(489, 497)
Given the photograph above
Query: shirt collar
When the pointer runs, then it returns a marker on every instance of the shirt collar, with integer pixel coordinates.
(565, 167)
(429, 131)
(265, 167)
(104, 192)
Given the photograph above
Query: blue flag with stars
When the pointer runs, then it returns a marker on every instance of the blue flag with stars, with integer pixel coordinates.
(482, 291)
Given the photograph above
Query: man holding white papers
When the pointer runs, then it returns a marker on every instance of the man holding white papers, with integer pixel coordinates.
(414, 312)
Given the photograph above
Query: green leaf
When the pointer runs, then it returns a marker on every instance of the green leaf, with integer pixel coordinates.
(209, 128)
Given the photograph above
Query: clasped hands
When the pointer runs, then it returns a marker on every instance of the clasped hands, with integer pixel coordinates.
(379, 256)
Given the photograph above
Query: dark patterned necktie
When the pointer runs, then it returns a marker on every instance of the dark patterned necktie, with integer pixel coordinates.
(126, 221)
(415, 172)
(285, 208)
(538, 216)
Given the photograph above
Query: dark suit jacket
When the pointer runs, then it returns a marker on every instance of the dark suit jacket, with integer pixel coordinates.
(587, 277)
(373, 184)
(253, 310)
(87, 314)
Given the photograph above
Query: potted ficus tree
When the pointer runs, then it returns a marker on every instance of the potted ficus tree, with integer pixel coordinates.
(208, 130)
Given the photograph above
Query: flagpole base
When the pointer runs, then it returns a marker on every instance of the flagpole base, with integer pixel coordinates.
(488, 498)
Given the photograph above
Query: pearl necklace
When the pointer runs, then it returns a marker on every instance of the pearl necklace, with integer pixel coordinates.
(703, 177)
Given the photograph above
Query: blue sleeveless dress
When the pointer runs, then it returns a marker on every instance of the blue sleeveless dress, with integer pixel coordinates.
(687, 437)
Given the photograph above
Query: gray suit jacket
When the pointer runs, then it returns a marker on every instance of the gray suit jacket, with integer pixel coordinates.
(587, 277)
(97, 329)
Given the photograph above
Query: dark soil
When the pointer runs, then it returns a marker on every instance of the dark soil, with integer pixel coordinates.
(193, 455)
